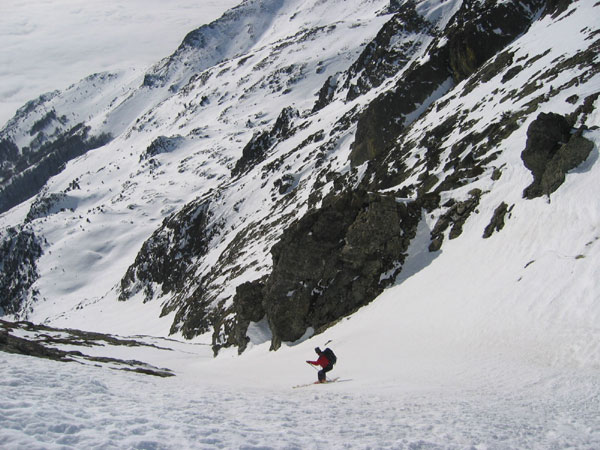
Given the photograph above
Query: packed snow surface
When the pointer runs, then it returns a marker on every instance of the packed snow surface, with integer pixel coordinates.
(49, 45)
(432, 381)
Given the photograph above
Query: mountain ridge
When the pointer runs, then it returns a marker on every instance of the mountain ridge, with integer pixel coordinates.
(391, 121)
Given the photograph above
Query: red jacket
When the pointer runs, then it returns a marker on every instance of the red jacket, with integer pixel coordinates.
(322, 361)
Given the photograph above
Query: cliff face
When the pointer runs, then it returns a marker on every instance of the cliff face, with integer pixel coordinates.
(284, 162)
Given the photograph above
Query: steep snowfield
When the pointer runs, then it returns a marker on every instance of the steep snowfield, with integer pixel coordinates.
(49, 45)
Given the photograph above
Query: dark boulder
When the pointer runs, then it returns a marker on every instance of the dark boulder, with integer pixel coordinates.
(497, 222)
(550, 152)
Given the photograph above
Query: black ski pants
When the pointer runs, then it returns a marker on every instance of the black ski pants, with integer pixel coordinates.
(323, 371)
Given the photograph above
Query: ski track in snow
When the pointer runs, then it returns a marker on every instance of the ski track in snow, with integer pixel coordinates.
(64, 405)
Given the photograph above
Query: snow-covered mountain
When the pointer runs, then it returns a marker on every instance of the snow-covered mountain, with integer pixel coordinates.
(412, 180)
(291, 152)
(50, 45)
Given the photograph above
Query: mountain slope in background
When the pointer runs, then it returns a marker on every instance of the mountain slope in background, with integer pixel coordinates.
(48, 46)
(285, 165)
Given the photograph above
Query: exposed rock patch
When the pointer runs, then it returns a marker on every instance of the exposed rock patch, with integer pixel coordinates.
(497, 222)
(163, 260)
(36, 168)
(476, 33)
(162, 144)
(256, 150)
(42, 342)
(19, 252)
(454, 218)
(550, 152)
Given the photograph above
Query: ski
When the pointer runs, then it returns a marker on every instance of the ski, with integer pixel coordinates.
(333, 380)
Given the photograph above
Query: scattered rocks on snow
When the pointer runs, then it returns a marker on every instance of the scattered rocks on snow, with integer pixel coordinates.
(42, 342)
(456, 216)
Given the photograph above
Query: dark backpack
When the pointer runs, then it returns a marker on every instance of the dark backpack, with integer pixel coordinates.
(330, 356)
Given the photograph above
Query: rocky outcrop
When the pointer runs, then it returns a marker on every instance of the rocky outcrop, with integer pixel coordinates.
(326, 93)
(390, 51)
(41, 342)
(257, 149)
(454, 218)
(19, 252)
(162, 144)
(329, 263)
(480, 30)
(385, 117)
(551, 151)
(476, 33)
(162, 262)
(497, 222)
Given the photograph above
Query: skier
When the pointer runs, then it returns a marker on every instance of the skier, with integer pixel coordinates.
(326, 360)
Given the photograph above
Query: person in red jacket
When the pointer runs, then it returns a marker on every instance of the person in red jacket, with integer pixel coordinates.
(324, 362)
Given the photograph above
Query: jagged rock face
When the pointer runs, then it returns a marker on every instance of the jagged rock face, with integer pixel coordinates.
(385, 117)
(454, 218)
(551, 151)
(19, 251)
(164, 259)
(391, 49)
(477, 31)
(257, 149)
(329, 263)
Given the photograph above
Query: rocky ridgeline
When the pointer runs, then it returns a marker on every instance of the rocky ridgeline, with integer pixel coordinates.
(26, 171)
